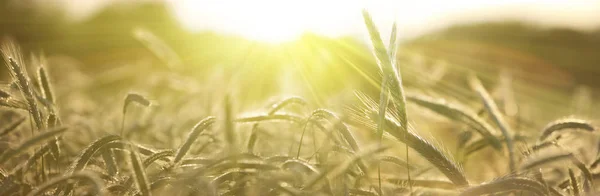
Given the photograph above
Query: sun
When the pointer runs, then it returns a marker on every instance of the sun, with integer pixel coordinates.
(267, 20)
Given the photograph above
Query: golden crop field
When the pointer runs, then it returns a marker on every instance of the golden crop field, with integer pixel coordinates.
(130, 103)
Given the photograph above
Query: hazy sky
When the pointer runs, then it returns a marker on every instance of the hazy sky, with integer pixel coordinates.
(282, 19)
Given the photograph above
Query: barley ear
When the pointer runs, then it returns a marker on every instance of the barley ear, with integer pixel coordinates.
(565, 124)
(13, 60)
(460, 113)
(156, 156)
(84, 157)
(389, 68)
(283, 103)
(132, 98)
(430, 152)
(574, 184)
(192, 136)
(44, 81)
(274, 117)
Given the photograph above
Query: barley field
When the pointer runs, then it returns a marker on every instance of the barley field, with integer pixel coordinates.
(423, 117)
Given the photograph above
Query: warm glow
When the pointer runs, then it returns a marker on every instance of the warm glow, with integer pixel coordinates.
(268, 20)
(283, 20)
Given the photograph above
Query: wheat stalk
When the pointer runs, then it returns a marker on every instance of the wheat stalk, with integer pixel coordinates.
(229, 126)
(138, 172)
(387, 63)
(490, 105)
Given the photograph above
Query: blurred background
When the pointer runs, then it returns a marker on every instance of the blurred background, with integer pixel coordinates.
(547, 50)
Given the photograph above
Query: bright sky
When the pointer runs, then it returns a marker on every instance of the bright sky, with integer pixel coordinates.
(278, 20)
